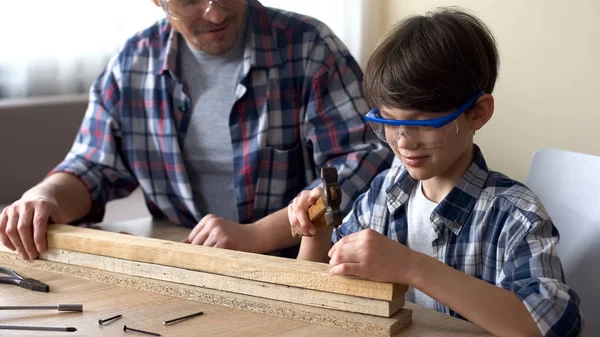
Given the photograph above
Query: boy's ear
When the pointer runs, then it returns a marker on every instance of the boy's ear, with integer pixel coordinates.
(482, 111)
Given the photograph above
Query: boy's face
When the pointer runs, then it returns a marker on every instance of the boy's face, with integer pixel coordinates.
(427, 153)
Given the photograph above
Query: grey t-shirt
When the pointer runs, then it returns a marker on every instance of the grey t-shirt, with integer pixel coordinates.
(420, 236)
(207, 151)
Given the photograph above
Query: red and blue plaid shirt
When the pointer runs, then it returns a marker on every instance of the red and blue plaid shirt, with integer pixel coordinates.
(299, 106)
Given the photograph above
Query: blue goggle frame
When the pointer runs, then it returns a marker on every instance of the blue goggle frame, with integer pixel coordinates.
(373, 116)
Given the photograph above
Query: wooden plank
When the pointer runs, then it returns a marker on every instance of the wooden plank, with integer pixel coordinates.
(371, 325)
(270, 269)
(225, 283)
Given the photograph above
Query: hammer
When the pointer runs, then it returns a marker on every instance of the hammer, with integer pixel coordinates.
(326, 210)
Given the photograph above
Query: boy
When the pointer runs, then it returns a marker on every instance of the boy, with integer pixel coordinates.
(469, 242)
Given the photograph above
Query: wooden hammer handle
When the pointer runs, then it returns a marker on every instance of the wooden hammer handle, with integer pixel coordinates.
(316, 215)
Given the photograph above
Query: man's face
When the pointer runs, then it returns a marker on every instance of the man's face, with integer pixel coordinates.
(423, 162)
(209, 26)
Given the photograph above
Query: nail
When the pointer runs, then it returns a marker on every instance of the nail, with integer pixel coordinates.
(182, 318)
(102, 321)
(125, 328)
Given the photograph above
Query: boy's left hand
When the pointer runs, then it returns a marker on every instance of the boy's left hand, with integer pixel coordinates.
(370, 255)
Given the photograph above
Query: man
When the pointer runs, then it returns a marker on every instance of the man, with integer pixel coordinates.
(221, 113)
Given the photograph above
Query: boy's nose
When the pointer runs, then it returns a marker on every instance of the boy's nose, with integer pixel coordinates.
(404, 141)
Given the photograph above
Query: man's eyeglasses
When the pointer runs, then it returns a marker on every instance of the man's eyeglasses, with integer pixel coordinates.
(191, 9)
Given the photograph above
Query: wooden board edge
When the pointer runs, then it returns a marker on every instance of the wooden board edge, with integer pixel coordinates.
(303, 274)
(225, 283)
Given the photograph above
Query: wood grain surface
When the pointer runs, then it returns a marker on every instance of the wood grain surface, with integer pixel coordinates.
(271, 269)
(147, 310)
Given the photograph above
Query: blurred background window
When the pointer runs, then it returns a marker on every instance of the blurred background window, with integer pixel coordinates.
(60, 47)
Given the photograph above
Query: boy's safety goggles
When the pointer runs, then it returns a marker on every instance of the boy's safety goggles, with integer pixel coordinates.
(427, 133)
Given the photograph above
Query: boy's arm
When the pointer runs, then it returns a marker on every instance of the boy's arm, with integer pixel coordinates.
(371, 255)
(315, 248)
(530, 298)
(497, 310)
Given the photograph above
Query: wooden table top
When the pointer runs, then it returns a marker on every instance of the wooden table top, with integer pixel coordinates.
(147, 311)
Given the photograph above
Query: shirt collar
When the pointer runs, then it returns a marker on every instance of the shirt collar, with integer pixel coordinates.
(456, 207)
(261, 47)
(260, 51)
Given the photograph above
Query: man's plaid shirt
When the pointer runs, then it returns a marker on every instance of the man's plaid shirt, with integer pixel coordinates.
(299, 107)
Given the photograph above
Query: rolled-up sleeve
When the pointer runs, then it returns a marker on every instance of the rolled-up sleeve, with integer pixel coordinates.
(96, 157)
(533, 272)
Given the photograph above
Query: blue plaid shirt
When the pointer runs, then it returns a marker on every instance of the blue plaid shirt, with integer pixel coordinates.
(490, 227)
(299, 106)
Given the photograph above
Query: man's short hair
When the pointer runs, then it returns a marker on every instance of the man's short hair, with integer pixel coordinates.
(432, 62)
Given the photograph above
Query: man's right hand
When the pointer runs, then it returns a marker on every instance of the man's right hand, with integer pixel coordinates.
(23, 225)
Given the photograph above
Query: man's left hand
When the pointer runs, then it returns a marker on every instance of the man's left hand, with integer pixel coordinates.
(371, 255)
(213, 231)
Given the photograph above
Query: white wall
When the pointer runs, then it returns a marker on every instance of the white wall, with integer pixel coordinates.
(548, 91)
(53, 48)
(356, 22)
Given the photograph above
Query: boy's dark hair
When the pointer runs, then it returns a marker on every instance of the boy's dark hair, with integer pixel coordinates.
(432, 63)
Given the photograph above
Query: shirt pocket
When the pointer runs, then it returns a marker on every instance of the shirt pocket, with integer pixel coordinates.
(281, 176)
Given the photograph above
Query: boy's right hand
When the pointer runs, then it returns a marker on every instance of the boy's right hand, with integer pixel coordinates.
(298, 212)
(23, 225)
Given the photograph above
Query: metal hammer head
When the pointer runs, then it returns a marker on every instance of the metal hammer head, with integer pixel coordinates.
(332, 196)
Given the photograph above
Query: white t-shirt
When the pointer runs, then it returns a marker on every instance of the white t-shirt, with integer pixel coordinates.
(207, 149)
(420, 236)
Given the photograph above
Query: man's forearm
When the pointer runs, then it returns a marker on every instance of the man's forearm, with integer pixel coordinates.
(275, 232)
(71, 194)
(495, 309)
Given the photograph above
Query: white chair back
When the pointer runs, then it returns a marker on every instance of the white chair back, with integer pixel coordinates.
(568, 184)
